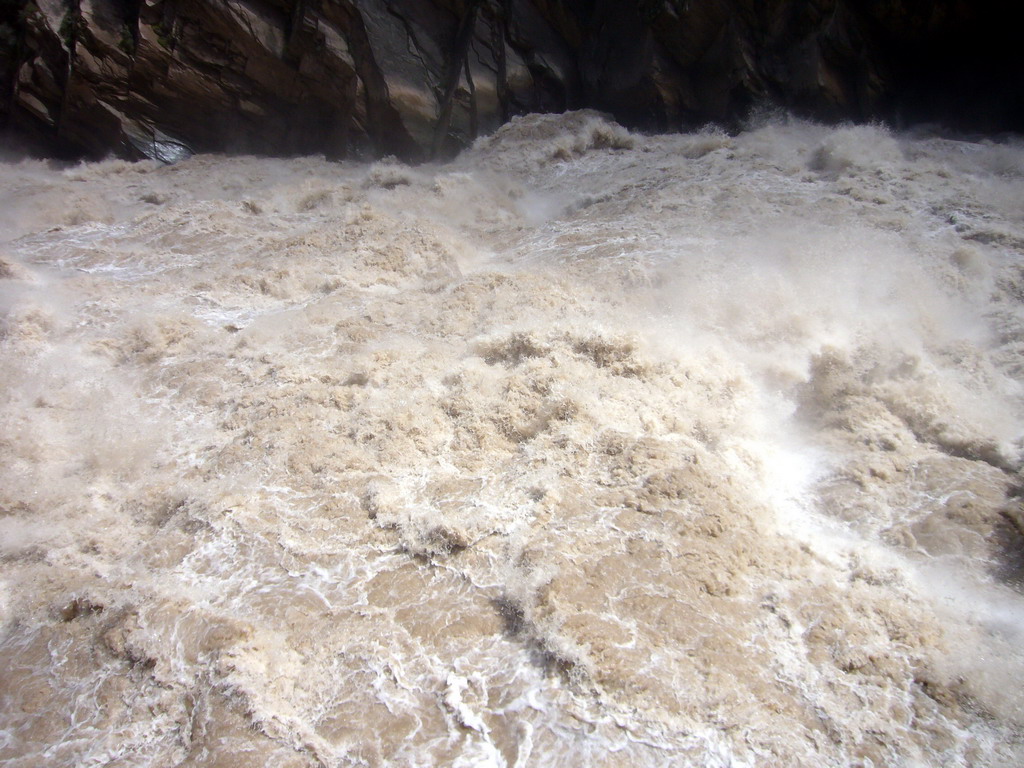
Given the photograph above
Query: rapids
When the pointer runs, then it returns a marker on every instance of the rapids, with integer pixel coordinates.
(587, 448)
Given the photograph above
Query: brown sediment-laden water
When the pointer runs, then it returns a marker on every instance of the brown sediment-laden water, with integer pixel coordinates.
(587, 448)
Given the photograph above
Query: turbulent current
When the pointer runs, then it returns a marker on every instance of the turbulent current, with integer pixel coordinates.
(587, 448)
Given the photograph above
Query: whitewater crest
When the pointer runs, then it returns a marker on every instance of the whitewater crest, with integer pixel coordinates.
(586, 448)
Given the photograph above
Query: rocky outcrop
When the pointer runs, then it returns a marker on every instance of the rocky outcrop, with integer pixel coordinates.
(422, 77)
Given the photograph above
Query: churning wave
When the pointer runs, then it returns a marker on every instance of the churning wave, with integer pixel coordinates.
(586, 448)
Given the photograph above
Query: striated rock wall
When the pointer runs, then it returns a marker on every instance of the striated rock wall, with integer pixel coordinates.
(423, 77)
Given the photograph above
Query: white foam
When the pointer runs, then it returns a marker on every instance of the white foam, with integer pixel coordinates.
(587, 448)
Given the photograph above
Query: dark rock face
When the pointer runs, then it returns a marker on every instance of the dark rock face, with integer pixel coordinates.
(422, 77)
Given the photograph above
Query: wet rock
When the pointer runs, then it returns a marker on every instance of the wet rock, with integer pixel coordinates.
(166, 78)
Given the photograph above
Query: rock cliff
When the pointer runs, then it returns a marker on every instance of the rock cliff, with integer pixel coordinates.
(423, 77)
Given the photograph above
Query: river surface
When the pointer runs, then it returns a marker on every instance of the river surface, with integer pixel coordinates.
(587, 448)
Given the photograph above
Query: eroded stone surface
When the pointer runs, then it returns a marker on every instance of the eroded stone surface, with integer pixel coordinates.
(163, 78)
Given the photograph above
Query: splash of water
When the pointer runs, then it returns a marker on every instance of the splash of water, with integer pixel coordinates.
(586, 448)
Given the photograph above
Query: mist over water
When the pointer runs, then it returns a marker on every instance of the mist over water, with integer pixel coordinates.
(587, 448)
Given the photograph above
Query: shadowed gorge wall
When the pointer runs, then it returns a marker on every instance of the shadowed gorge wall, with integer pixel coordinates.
(371, 77)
